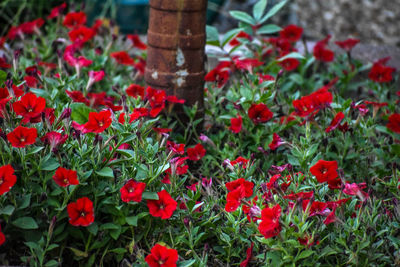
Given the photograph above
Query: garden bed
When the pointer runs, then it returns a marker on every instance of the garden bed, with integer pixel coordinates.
(296, 161)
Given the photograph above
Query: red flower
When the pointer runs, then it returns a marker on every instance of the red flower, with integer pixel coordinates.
(54, 139)
(241, 161)
(331, 217)
(4, 64)
(136, 42)
(7, 179)
(249, 254)
(321, 52)
(174, 99)
(292, 33)
(81, 212)
(22, 136)
(132, 191)
(138, 113)
(156, 99)
(236, 124)
(135, 90)
(316, 208)
(164, 207)
(162, 257)
(162, 130)
(269, 226)
(98, 122)
(242, 35)
(96, 76)
(300, 196)
(176, 148)
(64, 177)
(234, 198)
(30, 106)
(123, 58)
(276, 142)
(289, 64)
(394, 123)
(348, 44)
(77, 96)
(259, 113)
(325, 171)
(55, 12)
(247, 64)
(74, 19)
(196, 153)
(220, 74)
(82, 34)
(2, 237)
(241, 182)
(381, 73)
(356, 190)
(335, 122)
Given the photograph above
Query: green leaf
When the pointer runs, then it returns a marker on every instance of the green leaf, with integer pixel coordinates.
(118, 250)
(186, 263)
(108, 226)
(106, 172)
(7, 210)
(50, 165)
(51, 263)
(273, 11)
(243, 16)
(259, 8)
(25, 223)
(212, 36)
(78, 252)
(24, 201)
(93, 228)
(268, 29)
(229, 35)
(132, 220)
(396, 149)
(150, 195)
(305, 254)
(291, 55)
(40, 92)
(3, 76)
(80, 112)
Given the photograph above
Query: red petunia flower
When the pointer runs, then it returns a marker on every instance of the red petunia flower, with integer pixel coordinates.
(325, 171)
(292, 33)
(316, 207)
(289, 64)
(394, 123)
(321, 52)
(136, 42)
(247, 64)
(335, 122)
(138, 113)
(2, 237)
(81, 212)
(74, 19)
(7, 178)
(300, 196)
(196, 153)
(22, 136)
(54, 139)
(241, 182)
(162, 257)
(381, 73)
(135, 90)
(356, 190)
(4, 64)
(56, 11)
(276, 142)
(348, 44)
(164, 207)
(220, 74)
(77, 96)
(270, 226)
(242, 35)
(331, 217)
(132, 191)
(236, 124)
(30, 106)
(240, 161)
(174, 99)
(81, 34)
(98, 122)
(122, 58)
(249, 255)
(64, 177)
(259, 113)
(176, 148)
(156, 99)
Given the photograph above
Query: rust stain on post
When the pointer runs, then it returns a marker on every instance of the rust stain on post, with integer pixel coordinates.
(176, 38)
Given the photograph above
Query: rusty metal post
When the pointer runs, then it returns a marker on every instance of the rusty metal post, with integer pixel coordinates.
(176, 39)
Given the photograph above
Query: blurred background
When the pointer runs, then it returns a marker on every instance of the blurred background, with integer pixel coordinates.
(372, 21)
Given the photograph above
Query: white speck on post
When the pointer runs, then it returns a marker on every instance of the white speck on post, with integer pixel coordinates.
(180, 80)
(180, 58)
(155, 75)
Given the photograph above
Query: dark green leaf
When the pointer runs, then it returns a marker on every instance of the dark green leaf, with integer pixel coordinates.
(106, 172)
(25, 223)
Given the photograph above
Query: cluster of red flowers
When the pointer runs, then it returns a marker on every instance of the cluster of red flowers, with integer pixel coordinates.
(238, 190)
(381, 73)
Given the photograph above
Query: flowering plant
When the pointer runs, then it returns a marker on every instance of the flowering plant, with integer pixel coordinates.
(297, 162)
